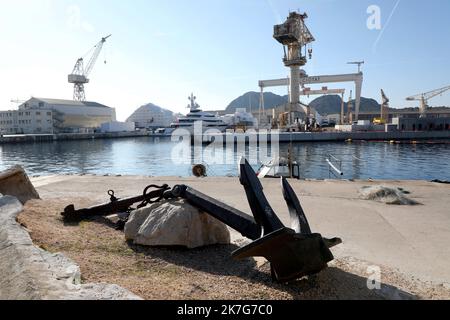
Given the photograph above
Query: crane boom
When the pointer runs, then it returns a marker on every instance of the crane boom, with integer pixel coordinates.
(79, 75)
(358, 63)
(428, 95)
(93, 59)
(424, 97)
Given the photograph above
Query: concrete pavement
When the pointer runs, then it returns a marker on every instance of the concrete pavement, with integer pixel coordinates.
(413, 239)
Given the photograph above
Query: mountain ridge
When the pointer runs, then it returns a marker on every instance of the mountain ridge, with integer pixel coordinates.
(324, 105)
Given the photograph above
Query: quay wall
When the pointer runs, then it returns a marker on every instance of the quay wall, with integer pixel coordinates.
(287, 137)
(283, 137)
(69, 136)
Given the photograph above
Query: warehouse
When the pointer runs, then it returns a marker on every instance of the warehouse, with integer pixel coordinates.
(72, 116)
(37, 121)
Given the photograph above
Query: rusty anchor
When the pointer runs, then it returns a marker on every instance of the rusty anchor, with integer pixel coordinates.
(293, 252)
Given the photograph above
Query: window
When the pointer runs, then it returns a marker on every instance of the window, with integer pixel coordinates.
(38, 121)
(38, 113)
(41, 104)
(49, 113)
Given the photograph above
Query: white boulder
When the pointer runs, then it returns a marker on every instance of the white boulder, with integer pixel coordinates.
(175, 223)
(387, 195)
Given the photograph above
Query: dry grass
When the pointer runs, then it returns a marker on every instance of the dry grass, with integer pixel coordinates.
(207, 273)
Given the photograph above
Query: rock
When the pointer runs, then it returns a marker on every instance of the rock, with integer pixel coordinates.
(14, 182)
(175, 223)
(118, 220)
(387, 195)
(30, 273)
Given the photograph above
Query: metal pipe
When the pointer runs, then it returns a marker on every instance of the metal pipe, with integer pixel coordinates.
(332, 166)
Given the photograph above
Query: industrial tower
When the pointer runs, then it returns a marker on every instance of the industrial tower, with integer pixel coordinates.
(294, 35)
(80, 74)
(384, 107)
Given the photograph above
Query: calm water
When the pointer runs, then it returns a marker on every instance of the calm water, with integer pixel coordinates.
(153, 157)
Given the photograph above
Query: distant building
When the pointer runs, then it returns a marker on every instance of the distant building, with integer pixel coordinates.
(67, 116)
(332, 118)
(31, 121)
(151, 116)
(422, 124)
(115, 126)
(406, 114)
(272, 115)
(240, 118)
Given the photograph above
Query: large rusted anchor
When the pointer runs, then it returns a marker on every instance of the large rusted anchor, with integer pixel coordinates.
(293, 252)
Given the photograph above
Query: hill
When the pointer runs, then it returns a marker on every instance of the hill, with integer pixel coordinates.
(332, 104)
(271, 100)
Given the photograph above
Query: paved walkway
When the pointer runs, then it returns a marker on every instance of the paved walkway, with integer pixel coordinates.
(413, 239)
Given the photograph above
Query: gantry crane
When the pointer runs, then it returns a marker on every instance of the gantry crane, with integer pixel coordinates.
(294, 35)
(425, 97)
(80, 73)
(358, 63)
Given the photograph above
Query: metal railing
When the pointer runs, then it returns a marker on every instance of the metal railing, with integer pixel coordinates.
(334, 166)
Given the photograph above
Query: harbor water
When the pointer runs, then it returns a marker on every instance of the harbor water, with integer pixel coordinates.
(155, 157)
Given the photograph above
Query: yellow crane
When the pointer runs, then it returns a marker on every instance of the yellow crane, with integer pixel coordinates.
(384, 110)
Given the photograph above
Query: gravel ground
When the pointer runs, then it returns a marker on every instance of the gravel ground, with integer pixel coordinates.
(207, 273)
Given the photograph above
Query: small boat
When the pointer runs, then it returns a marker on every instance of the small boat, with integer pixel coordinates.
(278, 168)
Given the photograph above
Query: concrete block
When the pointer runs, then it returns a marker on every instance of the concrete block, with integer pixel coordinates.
(15, 182)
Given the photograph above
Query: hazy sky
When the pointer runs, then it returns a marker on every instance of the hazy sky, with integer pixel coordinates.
(161, 51)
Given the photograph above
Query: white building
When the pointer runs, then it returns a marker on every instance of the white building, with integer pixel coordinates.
(151, 116)
(32, 121)
(115, 126)
(72, 116)
(240, 118)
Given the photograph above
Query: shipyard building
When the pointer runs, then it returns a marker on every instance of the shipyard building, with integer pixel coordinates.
(151, 116)
(48, 116)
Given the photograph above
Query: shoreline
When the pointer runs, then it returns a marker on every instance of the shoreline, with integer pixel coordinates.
(236, 138)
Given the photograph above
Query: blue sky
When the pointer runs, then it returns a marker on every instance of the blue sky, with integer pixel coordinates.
(161, 51)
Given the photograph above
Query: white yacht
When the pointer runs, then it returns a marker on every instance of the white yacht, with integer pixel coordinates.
(209, 120)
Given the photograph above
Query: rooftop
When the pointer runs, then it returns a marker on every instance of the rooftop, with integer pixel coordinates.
(71, 102)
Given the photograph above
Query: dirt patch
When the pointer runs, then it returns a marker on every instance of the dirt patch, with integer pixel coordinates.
(206, 273)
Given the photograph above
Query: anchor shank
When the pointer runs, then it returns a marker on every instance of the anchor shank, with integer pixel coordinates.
(232, 217)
